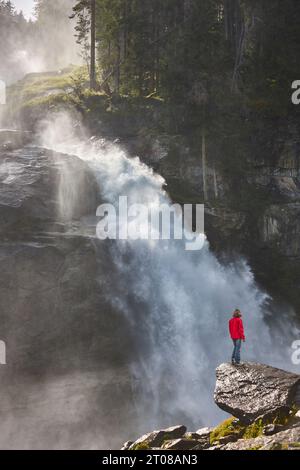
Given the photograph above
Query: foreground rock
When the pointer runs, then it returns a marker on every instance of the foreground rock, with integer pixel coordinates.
(285, 440)
(175, 438)
(157, 438)
(264, 402)
(255, 390)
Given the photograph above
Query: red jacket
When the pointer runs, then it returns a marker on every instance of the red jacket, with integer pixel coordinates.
(236, 328)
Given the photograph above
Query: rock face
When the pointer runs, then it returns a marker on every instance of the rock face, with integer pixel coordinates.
(40, 192)
(253, 390)
(12, 139)
(260, 220)
(67, 377)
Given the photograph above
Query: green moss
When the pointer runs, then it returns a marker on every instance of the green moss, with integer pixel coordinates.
(48, 90)
(279, 446)
(251, 431)
(285, 417)
(34, 85)
(141, 446)
(285, 446)
(46, 101)
(254, 430)
(227, 428)
(295, 445)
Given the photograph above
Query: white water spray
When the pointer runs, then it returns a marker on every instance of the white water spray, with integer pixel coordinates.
(178, 303)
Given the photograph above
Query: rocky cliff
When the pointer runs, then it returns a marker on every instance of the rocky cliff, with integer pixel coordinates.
(242, 161)
(68, 351)
(264, 403)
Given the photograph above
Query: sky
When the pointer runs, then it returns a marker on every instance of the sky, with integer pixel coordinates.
(26, 6)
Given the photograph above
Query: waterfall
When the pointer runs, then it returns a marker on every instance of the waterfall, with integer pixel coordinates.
(177, 303)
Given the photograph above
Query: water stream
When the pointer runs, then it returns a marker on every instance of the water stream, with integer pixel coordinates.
(177, 302)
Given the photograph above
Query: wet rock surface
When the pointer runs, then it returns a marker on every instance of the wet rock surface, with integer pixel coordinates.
(68, 350)
(40, 191)
(11, 139)
(255, 390)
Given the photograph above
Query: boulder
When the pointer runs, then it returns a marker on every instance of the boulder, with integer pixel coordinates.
(180, 444)
(157, 438)
(147, 441)
(204, 432)
(230, 438)
(127, 445)
(255, 390)
(202, 437)
(175, 432)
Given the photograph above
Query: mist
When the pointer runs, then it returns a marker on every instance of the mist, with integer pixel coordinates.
(109, 340)
(176, 303)
(31, 46)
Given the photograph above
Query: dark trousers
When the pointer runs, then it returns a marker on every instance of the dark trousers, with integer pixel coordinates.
(236, 355)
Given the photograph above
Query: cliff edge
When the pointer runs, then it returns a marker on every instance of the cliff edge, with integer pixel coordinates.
(264, 403)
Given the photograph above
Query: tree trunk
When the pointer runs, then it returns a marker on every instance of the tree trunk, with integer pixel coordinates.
(93, 46)
(205, 196)
(117, 68)
(216, 184)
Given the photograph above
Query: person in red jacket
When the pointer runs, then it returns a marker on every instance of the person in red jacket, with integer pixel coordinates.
(236, 330)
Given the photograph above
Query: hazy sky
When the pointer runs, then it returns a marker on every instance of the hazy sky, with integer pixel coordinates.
(25, 5)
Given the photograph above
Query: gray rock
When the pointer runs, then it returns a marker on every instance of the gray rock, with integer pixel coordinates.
(202, 437)
(254, 390)
(229, 438)
(175, 432)
(41, 191)
(281, 440)
(204, 432)
(271, 429)
(152, 439)
(156, 438)
(127, 445)
(201, 445)
(193, 435)
(180, 444)
(11, 139)
(215, 447)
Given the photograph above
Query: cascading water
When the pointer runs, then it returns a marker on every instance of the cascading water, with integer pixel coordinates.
(177, 302)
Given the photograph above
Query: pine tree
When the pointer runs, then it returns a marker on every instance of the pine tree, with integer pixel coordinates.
(85, 13)
(55, 31)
